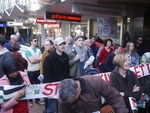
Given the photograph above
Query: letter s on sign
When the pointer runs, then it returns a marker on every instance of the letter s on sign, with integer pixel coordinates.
(48, 88)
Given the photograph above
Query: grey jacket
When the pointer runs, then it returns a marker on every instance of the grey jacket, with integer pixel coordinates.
(4, 54)
(73, 65)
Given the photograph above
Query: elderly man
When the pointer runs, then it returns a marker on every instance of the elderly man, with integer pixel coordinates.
(83, 95)
(13, 39)
(19, 39)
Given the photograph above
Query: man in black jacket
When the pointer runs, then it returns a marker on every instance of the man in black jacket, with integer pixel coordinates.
(56, 68)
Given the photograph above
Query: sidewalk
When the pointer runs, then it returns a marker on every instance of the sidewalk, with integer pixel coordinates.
(37, 108)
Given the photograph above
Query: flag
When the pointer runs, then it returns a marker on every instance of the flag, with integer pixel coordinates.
(8, 92)
(133, 103)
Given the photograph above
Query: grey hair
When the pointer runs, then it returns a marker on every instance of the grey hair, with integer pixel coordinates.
(13, 36)
(86, 41)
(68, 37)
(67, 89)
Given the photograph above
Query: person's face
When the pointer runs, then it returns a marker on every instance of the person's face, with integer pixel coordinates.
(109, 43)
(60, 47)
(69, 41)
(14, 74)
(13, 40)
(131, 47)
(118, 50)
(126, 64)
(89, 43)
(93, 40)
(47, 45)
(140, 40)
(79, 42)
(18, 35)
(34, 42)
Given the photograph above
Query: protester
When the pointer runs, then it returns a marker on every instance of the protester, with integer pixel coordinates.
(139, 46)
(69, 44)
(56, 68)
(22, 62)
(4, 54)
(125, 80)
(132, 54)
(49, 47)
(109, 66)
(20, 39)
(104, 54)
(14, 77)
(83, 95)
(13, 39)
(34, 57)
(94, 48)
(78, 45)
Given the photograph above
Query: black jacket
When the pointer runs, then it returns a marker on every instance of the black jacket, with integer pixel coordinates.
(125, 85)
(56, 67)
(109, 66)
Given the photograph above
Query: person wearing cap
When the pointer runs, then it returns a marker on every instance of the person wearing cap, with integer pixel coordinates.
(81, 53)
(55, 68)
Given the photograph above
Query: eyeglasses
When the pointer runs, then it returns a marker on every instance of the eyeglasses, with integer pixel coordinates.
(140, 40)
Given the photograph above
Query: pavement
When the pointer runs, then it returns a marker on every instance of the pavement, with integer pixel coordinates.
(36, 108)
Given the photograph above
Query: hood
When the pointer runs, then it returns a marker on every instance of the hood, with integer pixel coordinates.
(9, 65)
(3, 51)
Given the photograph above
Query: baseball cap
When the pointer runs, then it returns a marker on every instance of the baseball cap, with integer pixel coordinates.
(59, 41)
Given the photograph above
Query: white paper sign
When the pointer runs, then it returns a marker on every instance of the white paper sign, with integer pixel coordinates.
(106, 27)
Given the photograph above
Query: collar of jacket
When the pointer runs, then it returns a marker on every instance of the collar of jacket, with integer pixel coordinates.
(84, 85)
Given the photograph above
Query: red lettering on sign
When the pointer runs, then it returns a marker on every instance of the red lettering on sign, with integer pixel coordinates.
(136, 72)
(48, 88)
(56, 89)
(148, 67)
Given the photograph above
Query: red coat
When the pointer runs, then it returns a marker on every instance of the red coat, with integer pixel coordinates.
(103, 55)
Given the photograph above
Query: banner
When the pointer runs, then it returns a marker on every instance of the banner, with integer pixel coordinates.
(50, 90)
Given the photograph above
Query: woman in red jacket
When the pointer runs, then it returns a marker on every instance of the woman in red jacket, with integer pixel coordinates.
(104, 54)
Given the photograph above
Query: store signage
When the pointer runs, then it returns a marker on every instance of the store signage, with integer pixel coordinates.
(19, 20)
(77, 8)
(3, 25)
(44, 21)
(9, 23)
(106, 27)
(64, 17)
(53, 25)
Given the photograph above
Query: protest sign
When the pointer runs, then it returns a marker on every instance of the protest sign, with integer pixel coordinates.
(50, 90)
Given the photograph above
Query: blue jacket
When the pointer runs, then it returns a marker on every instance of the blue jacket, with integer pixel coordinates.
(109, 66)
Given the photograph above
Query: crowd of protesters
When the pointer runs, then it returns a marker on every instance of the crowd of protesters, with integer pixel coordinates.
(64, 60)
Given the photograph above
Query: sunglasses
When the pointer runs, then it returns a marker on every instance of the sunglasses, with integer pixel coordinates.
(140, 40)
